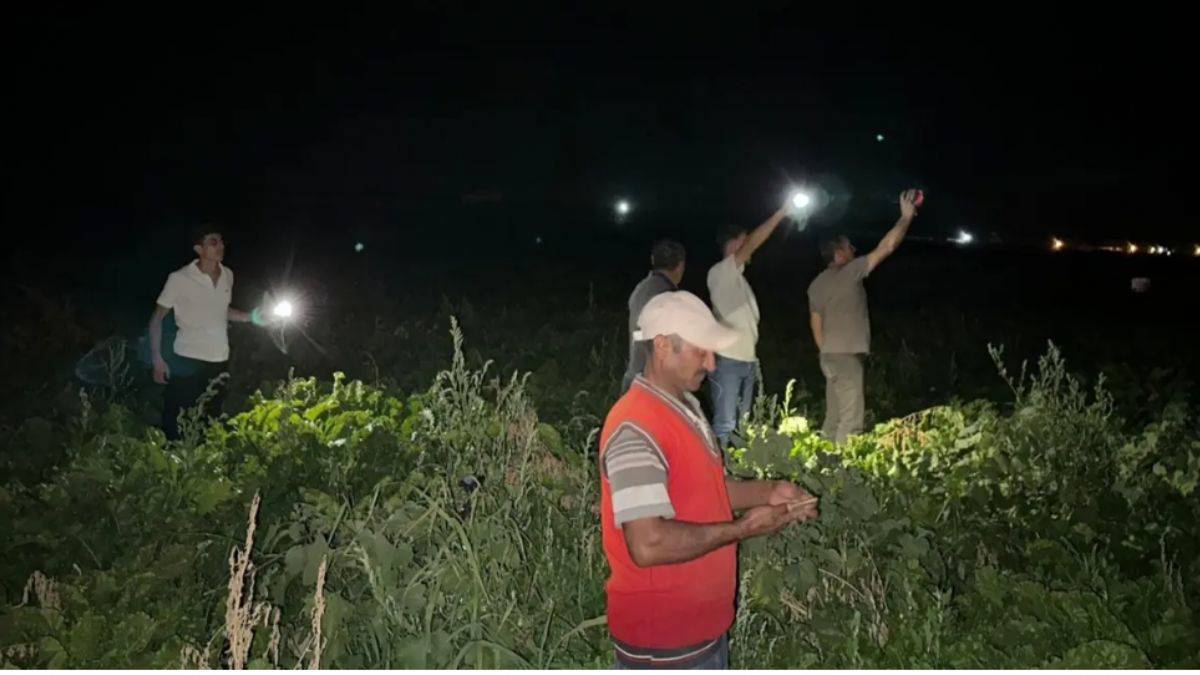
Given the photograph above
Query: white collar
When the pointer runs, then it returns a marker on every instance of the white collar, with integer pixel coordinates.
(194, 271)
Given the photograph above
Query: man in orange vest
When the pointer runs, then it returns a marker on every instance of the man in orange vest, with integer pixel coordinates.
(667, 507)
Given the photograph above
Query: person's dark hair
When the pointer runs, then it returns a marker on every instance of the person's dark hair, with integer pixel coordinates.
(666, 254)
(729, 233)
(199, 232)
(830, 246)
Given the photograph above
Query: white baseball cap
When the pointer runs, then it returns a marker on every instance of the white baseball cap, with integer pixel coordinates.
(683, 314)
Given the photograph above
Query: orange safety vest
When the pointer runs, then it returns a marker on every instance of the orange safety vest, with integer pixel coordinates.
(670, 606)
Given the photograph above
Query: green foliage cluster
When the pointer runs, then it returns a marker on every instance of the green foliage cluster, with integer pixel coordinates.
(455, 528)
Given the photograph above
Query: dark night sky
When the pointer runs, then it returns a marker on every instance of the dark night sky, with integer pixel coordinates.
(1023, 122)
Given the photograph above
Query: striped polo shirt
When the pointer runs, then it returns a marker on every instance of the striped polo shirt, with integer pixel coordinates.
(659, 458)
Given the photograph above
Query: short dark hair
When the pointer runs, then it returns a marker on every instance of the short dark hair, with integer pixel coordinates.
(830, 246)
(666, 254)
(199, 232)
(729, 233)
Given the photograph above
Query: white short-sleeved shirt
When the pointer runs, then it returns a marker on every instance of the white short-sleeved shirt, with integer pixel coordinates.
(735, 306)
(201, 311)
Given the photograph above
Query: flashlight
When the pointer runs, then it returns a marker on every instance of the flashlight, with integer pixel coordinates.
(1057, 244)
(964, 238)
(801, 200)
(282, 309)
(623, 208)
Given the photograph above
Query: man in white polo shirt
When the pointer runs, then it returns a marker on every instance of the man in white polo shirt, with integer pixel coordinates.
(199, 293)
(734, 304)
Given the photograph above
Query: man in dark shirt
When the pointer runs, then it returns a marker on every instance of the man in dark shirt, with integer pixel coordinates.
(667, 260)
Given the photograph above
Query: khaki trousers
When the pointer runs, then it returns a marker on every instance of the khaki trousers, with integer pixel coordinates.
(844, 400)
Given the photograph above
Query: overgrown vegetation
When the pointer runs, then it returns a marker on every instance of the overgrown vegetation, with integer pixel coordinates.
(338, 524)
(432, 509)
(966, 537)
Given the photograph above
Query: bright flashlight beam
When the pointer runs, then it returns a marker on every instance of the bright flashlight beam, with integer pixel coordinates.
(283, 309)
(964, 237)
(801, 200)
(623, 207)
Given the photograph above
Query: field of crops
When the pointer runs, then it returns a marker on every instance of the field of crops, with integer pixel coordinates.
(436, 506)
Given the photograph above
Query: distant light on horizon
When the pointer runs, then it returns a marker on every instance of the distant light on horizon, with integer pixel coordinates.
(358, 248)
(1132, 248)
(1057, 244)
(964, 238)
(879, 138)
(623, 207)
(1196, 250)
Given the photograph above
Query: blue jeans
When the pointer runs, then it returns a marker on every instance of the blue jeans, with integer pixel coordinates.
(718, 660)
(732, 387)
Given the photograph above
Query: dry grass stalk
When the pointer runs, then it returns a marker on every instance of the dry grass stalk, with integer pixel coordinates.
(18, 652)
(799, 609)
(194, 659)
(318, 613)
(44, 589)
(241, 613)
(272, 653)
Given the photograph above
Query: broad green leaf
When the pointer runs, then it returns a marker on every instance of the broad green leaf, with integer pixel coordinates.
(802, 576)
(413, 653)
(1101, 654)
(87, 639)
(414, 599)
(295, 560)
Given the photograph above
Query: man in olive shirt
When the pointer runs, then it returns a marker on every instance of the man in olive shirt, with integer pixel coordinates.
(667, 260)
(841, 327)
